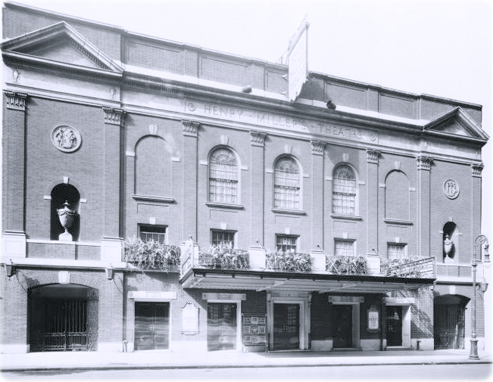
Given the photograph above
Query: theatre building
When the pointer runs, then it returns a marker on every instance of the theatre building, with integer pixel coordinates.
(163, 196)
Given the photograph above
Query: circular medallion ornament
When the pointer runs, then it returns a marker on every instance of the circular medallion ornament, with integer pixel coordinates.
(66, 138)
(451, 189)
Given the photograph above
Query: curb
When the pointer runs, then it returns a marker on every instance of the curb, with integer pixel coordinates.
(164, 367)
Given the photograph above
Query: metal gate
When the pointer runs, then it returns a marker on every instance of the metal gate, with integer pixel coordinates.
(63, 324)
(449, 323)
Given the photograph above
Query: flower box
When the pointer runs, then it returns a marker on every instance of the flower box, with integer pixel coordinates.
(223, 256)
(151, 255)
(289, 261)
(347, 265)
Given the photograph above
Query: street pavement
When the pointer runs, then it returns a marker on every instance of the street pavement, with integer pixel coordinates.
(228, 359)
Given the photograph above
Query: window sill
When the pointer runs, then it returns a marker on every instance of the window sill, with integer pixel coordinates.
(288, 212)
(150, 198)
(225, 205)
(346, 217)
(399, 222)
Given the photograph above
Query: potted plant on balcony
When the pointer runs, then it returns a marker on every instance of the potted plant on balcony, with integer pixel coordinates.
(290, 261)
(347, 265)
(224, 256)
(151, 254)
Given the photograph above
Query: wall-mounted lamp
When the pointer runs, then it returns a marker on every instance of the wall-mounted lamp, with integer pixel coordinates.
(110, 272)
(486, 253)
(484, 286)
(433, 286)
(9, 269)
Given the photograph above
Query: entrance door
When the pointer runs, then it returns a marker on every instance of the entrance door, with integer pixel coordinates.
(449, 322)
(286, 326)
(394, 325)
(342, 324)
(221, 326)
(151, 325)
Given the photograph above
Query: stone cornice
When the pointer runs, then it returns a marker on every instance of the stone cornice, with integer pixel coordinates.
(424, 163)
(114, 116)
(190, 128)
(49, 66)
(257, 138)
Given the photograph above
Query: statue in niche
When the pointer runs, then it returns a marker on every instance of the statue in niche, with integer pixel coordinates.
(448, 249)
(66, 215)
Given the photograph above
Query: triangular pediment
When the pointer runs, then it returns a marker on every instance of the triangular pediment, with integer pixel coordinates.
(59, 43)
(456, 123)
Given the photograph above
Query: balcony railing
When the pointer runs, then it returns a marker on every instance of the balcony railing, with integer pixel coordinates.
(415, 266)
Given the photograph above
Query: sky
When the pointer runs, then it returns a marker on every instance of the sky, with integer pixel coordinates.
(436, 47)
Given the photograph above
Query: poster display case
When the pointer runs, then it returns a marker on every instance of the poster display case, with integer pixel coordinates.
(254, 332)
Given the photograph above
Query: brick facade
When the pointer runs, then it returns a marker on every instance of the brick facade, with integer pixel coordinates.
(144, 157)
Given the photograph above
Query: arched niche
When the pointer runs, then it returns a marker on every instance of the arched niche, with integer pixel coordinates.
(65, 200)
(450, 246)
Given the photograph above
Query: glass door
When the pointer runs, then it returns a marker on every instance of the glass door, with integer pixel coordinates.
(342, 324)
(286, 326)
(394, 326)
(151, 325)
(221, 326)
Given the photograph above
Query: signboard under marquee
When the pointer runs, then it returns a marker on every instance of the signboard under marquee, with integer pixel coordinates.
(347, 299)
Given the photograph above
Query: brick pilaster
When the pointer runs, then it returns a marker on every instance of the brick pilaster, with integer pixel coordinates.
(318, 195)
(113, 124)
(476, 207)
(424, 204)
(257, 140)
(14, 170)
(190, 165)
(372, 218)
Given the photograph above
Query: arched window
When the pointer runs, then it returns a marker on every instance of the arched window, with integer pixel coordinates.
(65, 220)
(344, 190)
(397, 196)
(223, 176)
(287, 184)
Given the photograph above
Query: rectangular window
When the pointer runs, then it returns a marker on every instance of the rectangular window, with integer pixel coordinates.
(152, 232)
(286, 242)
(344, 247)
(396, 251)
(222, 236)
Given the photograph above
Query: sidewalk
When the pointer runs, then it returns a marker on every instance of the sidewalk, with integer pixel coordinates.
(166, 359)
